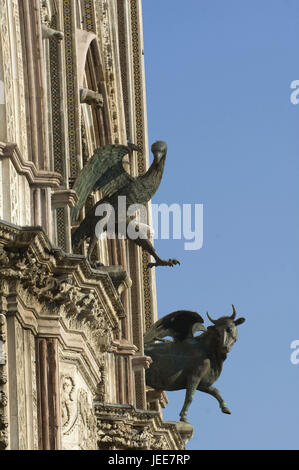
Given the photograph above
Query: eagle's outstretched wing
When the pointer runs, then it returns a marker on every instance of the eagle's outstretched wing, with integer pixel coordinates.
(180, 325)
(103, 171)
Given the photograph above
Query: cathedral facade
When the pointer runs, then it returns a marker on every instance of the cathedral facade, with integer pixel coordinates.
(72, 364)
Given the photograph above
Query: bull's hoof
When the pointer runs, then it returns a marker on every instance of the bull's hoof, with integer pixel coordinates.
(225, 410)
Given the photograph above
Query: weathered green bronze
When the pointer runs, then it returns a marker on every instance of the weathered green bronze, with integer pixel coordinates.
(188, 362)
(105, 172)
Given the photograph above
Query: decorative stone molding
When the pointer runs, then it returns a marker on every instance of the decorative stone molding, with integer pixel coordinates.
(35, 177)
(119, 276)
(184, 429)
(110, 87)
(122, 427)
(4, 440)
(153, 395)
(64, 284)
(46, 15)
(15, 103)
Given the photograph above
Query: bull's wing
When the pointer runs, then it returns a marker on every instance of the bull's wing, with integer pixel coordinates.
(180, 325)
(103, 171)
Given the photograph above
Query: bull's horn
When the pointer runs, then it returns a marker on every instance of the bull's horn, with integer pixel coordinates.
(234, 313)
(211, 319)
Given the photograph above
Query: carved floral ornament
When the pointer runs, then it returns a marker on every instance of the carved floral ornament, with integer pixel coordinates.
(120, 428)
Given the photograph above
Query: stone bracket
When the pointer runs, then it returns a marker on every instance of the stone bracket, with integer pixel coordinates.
(64, 198)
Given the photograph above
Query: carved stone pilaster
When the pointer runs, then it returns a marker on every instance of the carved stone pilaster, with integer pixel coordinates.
(4, 437)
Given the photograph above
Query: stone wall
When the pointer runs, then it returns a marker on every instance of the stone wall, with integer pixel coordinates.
(71, 338)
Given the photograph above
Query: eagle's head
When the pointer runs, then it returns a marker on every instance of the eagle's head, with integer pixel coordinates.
(159, 150)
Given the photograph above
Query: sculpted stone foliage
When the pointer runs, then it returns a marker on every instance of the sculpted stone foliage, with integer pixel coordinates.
(127, 428)
(80, 308)
(121, 435)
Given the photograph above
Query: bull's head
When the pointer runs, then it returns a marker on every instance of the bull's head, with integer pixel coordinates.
(226, 327)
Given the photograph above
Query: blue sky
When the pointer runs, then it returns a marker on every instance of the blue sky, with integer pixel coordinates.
(218, 78)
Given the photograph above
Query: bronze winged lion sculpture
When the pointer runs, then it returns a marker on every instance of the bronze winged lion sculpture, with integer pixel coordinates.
(105, 172)
(188, 362)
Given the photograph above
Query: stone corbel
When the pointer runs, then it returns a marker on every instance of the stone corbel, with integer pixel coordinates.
(64, 198)
(141, 362)
(153, 395)
(185, 430)
(49, 33)
(91, 97)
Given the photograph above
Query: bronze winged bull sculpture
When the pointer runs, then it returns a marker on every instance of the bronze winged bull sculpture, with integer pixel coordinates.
(188, 362)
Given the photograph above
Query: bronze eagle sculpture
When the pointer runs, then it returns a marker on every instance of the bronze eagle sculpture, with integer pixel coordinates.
(189, 362)
(105, 172)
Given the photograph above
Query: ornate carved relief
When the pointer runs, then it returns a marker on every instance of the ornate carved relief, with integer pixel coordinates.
(12, 53)
(123, 427)
(81, 309)
(3, 386)
(21, 391)
(79, 425)
(104, 34)
(8, 79)
(33, 391)
(46, 14)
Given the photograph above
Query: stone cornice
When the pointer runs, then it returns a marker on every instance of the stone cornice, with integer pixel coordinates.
(35, 177)
(125, 427)
(61, 284)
